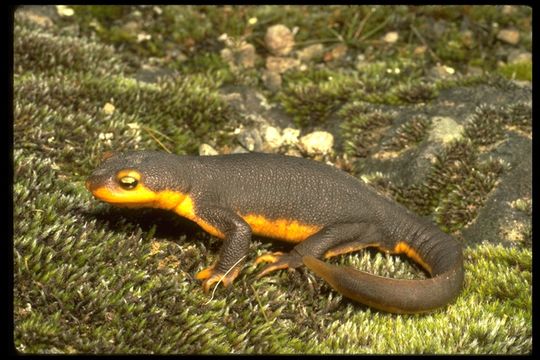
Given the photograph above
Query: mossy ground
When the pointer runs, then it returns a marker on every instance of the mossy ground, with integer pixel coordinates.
(89, 278)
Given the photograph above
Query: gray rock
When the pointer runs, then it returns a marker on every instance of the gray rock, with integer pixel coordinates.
(250, 139)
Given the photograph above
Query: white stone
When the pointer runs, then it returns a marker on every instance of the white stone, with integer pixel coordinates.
(509, 36)
(207, 150)
(391, 37)
(317, 143)
(272, 137)
(64, 10)
(290, 136)
(108, 108)
(279, 40)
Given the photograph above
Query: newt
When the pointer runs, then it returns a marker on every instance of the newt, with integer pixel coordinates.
(320, 209)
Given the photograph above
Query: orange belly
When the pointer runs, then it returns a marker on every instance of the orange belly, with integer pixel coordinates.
(283, 229)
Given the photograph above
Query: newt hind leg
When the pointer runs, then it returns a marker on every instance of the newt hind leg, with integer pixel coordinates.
(329, 241)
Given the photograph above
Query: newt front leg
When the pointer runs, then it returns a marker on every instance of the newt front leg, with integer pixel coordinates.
(237, 235)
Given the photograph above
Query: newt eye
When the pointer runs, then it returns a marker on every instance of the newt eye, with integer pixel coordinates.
(128, 182)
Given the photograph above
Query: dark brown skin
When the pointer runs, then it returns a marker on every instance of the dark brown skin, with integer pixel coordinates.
(321, 209)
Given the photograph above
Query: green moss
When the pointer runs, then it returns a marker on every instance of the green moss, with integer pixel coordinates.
(104, 13)
(462, 81)
(167, 27)
(416, 93)
(181, 108)
(512, 287)
(411, 132)
(485, 126)
(38, 51)
(523, 205)
(312, 102)
(395, 81)
(517, 71)
(362, 127)
(462, 203)
(452, 48)
(209, 64)
(455, 187)
(520, 115)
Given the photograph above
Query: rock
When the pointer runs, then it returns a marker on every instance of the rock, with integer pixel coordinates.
(474, 70)
(272, 137)
(445, 130)
(442, 71)
(509, 36)
(281, 64)
(239, 150)
(64, 10)
(420, 50)
(235, 100)
(361, 63)
(290, 136)
(41, 20)
(143, 37)
(272, 80)
(207, 150)
(313, 52)
(227, 55)
(293, 152)
(131, 27)
(391, 37)
(338, 52)
(108, 108)
(508, 10)
(467, 37)
(242, 55)
(517, 56)
(250, 139)
(279, 40)
(317, 143)
(439, 28)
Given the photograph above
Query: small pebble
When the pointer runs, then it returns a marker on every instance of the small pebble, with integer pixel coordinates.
(241, 56)
(108, 108)
(272, 80)
(517, 56)
(281, 64)
(64, 10)
(338, 52)
(207, 150)
(509, 36)
(279, 40)
(290, 136)
(391, 37)
(272, 137)
(317, 143)
(313, 52)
